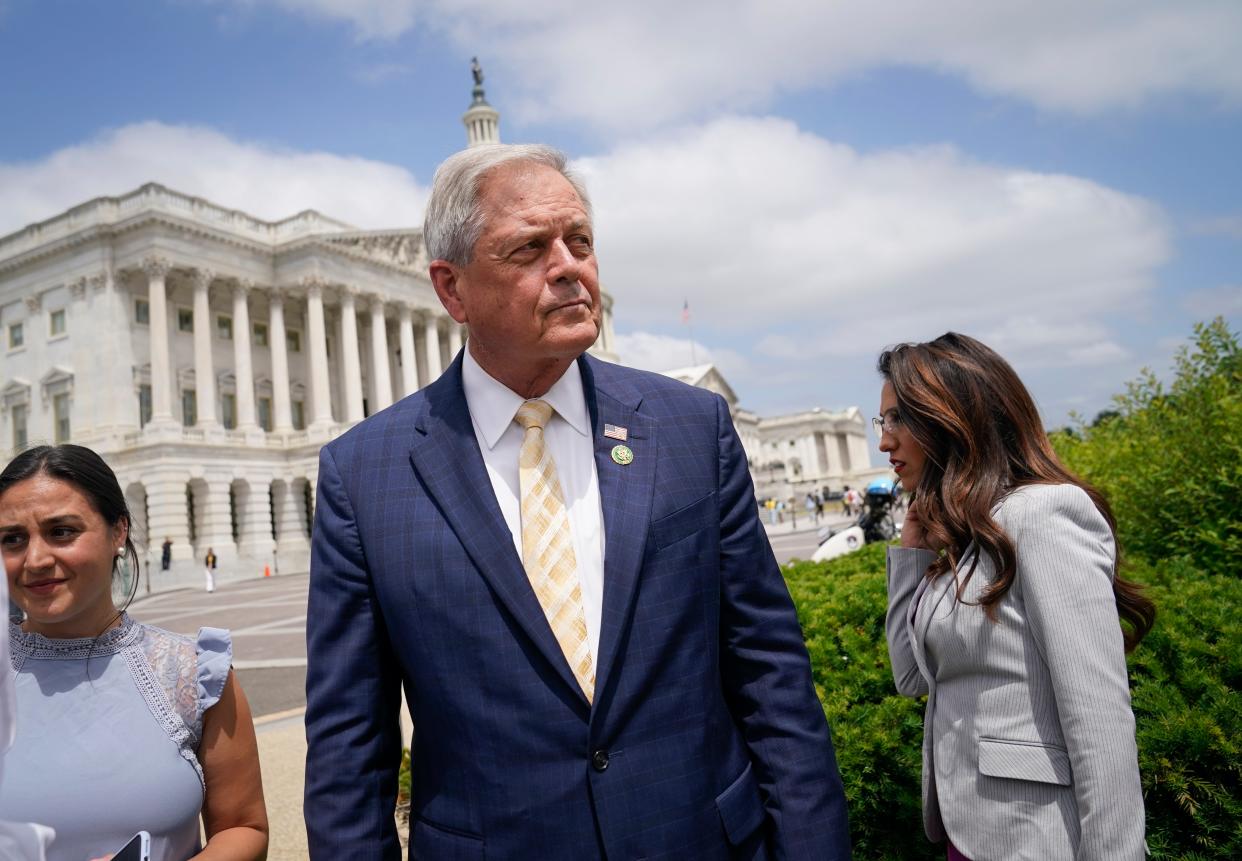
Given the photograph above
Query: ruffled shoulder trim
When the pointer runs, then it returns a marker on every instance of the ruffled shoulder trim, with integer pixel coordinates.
(215, 659)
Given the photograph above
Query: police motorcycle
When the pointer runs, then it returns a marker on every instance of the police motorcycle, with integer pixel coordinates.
(875, 523)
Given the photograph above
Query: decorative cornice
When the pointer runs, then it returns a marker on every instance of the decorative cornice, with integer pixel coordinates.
(98, 281)
(153, 197)
(77, 289)
(403, 249)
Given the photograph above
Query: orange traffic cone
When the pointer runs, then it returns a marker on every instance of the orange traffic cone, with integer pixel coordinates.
(267, 571)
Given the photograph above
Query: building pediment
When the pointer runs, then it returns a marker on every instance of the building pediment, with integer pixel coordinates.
(705, 377)
(16, 393)
(58, 379)
(401, 248)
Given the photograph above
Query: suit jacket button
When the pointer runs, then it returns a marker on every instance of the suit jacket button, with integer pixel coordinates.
(599, 760)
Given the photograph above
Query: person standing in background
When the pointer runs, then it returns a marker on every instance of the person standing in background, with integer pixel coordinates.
(209, 568)
(166, 555)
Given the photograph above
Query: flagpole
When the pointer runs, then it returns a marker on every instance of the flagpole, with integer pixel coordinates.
(685, 318)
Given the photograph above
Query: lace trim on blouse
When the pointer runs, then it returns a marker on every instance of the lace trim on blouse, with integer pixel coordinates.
(164, 667)
(25, 645)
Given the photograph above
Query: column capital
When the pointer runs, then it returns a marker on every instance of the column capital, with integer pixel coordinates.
(405, 311)
(98, 281)
(243, 286)
(34, 303)
(77, 288)
(155, 265)
(313, 285)
(375, 301)
(202, 278)
(348, 290)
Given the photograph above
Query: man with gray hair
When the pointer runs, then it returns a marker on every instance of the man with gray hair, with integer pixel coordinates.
(560, 561)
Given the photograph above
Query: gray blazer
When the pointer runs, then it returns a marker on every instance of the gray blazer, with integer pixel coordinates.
(1028, 737)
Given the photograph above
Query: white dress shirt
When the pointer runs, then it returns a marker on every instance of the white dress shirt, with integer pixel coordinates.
(492, 407)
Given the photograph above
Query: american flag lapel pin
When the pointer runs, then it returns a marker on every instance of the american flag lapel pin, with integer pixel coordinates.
(614, 432)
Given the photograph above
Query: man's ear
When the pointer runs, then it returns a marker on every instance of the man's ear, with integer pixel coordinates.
(444, 278)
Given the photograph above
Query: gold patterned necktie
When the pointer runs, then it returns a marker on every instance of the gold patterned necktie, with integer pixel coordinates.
(548, 545)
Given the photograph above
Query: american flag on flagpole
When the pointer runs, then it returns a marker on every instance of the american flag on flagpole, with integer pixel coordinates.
(685, 313)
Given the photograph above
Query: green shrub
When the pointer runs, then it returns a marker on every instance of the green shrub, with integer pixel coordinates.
(1185, 679)
(1170, 460)
(877, 732)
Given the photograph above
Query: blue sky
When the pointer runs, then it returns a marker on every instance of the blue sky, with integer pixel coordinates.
(1060, 181)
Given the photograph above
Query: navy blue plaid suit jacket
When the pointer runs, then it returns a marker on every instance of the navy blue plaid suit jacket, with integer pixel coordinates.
(705, 741)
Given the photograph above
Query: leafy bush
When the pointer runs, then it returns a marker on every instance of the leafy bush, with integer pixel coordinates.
(1185, 679)
(1170, 460)
(1171, 464)
(877, 732)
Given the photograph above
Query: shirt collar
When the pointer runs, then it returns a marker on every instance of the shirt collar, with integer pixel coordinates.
(493, 405)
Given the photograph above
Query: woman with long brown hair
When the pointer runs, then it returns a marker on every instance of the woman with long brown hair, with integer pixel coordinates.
(1005, 609)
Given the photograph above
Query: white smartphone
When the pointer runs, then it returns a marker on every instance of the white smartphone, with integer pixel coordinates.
(137, 849)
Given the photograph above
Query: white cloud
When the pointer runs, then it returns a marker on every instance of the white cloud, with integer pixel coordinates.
(652, 352)
(648, 62)
(813, 249)
(265, 181)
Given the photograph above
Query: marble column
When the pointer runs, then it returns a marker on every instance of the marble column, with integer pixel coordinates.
(381, 381)
(157, 325)
(255, 503)
(282, 418)
(431, 344)
(409, 361)
(351, 366)
(317, 343)
(243, 368)
(204, 367)
(215, 530)
(167, 514)
(454, 339)
(292, 543)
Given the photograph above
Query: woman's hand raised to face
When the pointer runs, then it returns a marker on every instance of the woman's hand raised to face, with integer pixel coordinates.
(912, 533)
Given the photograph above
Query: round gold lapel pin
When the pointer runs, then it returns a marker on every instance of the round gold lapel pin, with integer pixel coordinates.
(621, 454)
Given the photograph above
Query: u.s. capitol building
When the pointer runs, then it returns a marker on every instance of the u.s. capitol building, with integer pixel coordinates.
(208, 354)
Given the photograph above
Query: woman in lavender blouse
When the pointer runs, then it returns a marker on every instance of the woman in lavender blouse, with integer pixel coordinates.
(121, 726)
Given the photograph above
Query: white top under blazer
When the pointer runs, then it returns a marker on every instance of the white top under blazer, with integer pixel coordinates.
(1028, 738)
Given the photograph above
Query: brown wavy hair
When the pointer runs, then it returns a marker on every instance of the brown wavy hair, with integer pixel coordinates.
(982, 437)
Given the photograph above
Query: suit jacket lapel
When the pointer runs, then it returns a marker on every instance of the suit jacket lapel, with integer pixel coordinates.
(445, 454)
(625, 492)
